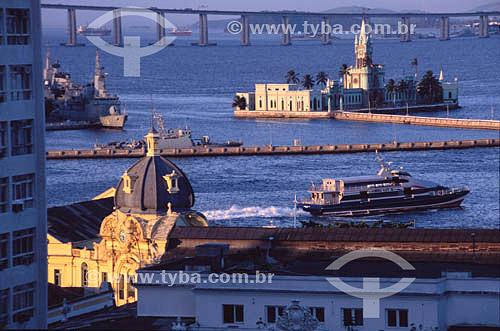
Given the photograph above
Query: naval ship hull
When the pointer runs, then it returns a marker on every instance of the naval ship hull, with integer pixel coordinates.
(113, 121)
(390, 205)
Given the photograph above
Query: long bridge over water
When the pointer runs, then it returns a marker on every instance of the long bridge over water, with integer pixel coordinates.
(117, 36)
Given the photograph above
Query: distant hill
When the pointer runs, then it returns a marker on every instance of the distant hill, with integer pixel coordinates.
(494, 6)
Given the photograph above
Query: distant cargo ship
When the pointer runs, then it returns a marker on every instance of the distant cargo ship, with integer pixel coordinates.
(180, 32)
(84, 30)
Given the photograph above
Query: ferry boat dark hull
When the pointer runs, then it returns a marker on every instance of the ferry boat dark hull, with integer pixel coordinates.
(385, 206)
(390, 191)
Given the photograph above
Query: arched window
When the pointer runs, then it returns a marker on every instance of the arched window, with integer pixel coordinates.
(121, 287)
(282, 104)
(85, 274)
(260, 103)
(291, 105)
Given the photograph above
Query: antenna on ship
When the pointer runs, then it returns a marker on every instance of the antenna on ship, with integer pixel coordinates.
(295, 210)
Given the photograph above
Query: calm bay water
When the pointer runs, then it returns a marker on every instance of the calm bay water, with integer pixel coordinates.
(195, 86)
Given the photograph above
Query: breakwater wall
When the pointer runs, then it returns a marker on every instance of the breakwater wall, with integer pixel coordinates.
(380, 118)
(275, 150)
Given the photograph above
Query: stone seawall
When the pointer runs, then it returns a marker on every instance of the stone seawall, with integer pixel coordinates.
(276, 150)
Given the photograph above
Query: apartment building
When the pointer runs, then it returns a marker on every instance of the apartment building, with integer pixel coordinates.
(23, 220)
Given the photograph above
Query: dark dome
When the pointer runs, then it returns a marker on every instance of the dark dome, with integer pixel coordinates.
(150, 184)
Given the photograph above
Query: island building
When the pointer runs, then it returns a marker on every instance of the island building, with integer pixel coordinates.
(362, 86)
(108, 239)
(23, 209)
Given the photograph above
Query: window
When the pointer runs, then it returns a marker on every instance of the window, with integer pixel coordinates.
(4, 307)
(130, 287)
(3, 96)
(397, 318)
(4, 195)
(352, 316)
(318, 313)
(273, 313)
(22, 192)
(233, 313)
(104, 277)
(121, 287)
(22, 137)
(18, 26)
(84, 274)
(3, 139)
(20, 82)
(1, 26)
(22, 247)
(23, 302)
(4, 251)
(57, 277)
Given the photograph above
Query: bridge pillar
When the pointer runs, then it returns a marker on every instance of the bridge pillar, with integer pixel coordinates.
(444, 28)
(160, 30)
(286, 39)
(483, 26)
(245, 31)
(71, 28)
(405, 37)
(117, 28)
(326, 27)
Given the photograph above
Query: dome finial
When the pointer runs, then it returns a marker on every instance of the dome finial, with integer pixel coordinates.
(152, 140)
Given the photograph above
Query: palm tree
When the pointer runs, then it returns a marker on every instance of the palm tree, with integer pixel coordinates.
(403, 87)
(414, 63)
(429, 88)
(308, 82)
(292, 77)
(344, 70)
(391, 88)
(322, 79)
(239, 102)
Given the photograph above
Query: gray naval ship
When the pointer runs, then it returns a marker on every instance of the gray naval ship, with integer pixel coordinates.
(168, 138)
(67, 101)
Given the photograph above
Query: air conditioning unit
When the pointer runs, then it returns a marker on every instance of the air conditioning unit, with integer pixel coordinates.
(17, 206)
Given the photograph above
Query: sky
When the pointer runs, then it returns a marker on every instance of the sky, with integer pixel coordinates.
(311, 5)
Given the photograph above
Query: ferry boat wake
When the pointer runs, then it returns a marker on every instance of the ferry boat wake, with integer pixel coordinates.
(390, 191)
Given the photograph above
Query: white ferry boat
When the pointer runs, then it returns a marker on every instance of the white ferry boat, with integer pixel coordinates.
(388, 192)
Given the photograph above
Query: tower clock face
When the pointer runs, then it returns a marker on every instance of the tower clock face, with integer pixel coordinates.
(123, 236)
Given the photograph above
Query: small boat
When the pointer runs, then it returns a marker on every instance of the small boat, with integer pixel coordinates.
(180, 32)
(169, 138)
(391, 190)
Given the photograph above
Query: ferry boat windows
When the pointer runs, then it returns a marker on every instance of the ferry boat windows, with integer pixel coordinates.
(18, 26)
(20, 82)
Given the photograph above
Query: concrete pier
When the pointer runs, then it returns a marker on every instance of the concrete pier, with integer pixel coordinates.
(71, 28)
(160, 30)
(405, 37)
(276, 150)
(444, 28)
(379, 118)
(245, 31)
(286, 39)
(483, 26)
(117, 28)
(325, 37)
(203, 23)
